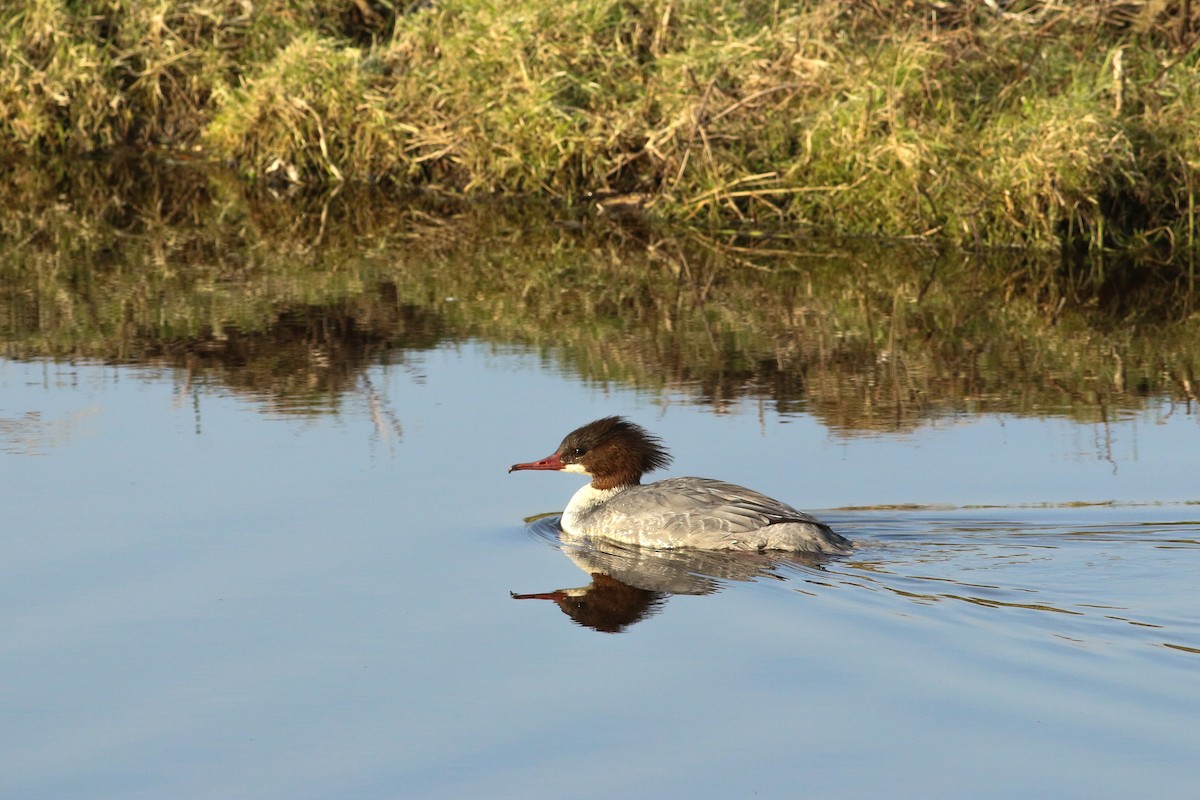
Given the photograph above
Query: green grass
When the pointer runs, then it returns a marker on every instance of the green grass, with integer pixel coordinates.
(1049, 125)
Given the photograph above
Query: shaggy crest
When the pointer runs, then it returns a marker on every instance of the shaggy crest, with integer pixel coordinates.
(617, 446)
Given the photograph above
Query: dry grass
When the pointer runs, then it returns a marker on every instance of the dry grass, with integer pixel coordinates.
(1045, 124)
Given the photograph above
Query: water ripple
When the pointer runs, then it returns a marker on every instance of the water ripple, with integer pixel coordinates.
(1073, 577)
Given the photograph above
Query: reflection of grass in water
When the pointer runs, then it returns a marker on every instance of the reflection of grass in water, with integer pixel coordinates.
(33, 434)
(291, 300)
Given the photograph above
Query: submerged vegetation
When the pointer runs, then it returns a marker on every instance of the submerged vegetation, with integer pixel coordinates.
(986, 123)
(291, 300)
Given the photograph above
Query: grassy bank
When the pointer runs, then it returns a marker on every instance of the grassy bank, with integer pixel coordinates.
(1044, 124)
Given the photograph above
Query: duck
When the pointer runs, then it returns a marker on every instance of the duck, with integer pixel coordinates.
(698, 513)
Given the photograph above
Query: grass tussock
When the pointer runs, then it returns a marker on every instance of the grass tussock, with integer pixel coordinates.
(1031, 123)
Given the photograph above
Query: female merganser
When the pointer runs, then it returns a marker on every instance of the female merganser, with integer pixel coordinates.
(677, 512)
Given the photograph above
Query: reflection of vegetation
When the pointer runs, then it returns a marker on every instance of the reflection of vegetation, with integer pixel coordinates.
(306, 357)
(290, 299)
(32, 433)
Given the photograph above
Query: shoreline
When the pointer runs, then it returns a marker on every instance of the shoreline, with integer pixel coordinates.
(1051, 127)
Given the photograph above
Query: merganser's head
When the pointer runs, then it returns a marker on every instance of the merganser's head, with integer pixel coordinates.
(613, 451)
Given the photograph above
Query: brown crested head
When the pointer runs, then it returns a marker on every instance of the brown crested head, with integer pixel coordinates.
(614, 451)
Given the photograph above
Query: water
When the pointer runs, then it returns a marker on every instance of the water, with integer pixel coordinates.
(205, 594)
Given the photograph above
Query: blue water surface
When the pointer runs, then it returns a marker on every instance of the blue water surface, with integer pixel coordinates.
(203, 595)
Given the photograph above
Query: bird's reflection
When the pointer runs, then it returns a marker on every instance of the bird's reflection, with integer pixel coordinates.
(605, 604)
(630, 583)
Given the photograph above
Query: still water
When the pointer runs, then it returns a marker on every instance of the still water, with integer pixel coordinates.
(206, 595)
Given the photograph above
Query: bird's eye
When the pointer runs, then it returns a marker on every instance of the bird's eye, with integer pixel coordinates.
(578, 451)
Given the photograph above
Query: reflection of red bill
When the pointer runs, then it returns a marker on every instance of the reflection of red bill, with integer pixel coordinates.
(557, 596)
